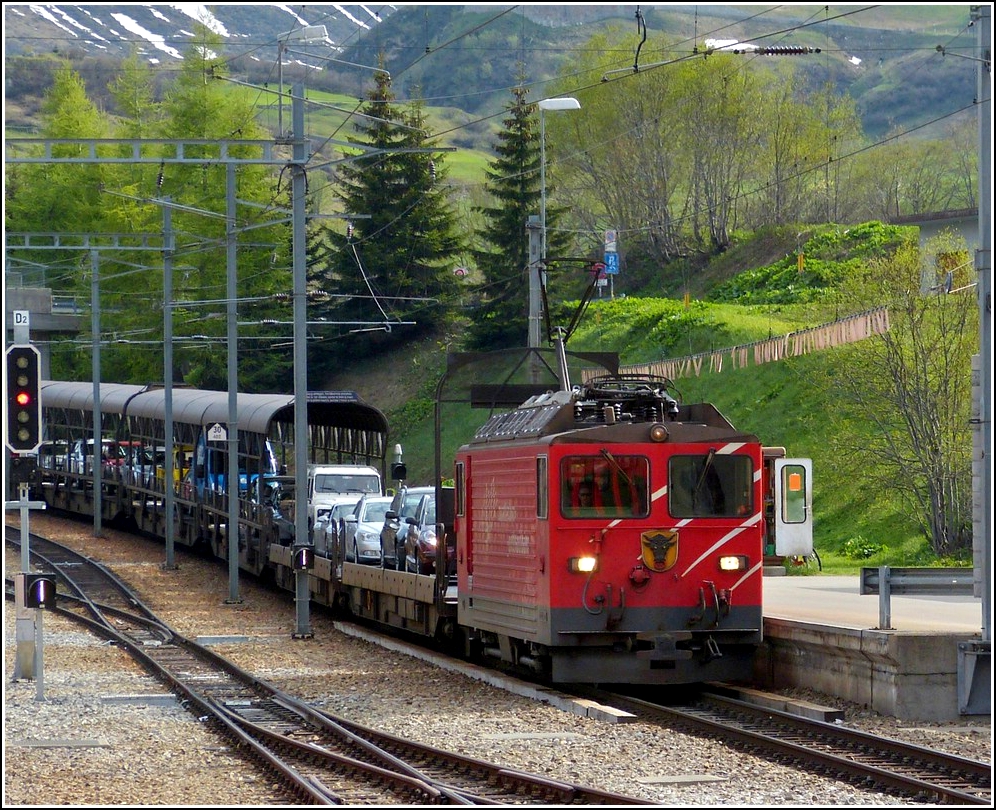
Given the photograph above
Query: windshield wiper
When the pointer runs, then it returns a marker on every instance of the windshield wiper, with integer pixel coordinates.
(705, 468)
(615, 464)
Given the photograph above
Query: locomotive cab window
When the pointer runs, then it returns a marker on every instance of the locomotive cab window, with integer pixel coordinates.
(604, 485)
(710, 485)
(542, 488)
(460, 489)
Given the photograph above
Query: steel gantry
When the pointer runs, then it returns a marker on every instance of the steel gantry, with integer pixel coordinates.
(230, 153)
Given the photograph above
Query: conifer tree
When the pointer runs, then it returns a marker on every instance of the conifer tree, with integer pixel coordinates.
(199, 106)
(395, 261)
(62, 196)
(513, 180)
(98, 198)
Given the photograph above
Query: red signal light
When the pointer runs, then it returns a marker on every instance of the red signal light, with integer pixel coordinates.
(23, 419)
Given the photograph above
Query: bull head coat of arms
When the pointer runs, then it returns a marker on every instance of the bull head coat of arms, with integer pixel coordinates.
(659, 549)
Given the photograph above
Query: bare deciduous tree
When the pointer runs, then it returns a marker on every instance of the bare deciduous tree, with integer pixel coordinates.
(913, 385)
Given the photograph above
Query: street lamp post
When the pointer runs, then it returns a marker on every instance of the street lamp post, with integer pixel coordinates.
(309, 33)
(545, 104)
(548, 104)
(534, 276)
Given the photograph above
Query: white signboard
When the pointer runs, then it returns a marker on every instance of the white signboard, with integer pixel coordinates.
(217, 433)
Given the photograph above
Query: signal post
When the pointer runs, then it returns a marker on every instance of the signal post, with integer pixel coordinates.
(22, 438)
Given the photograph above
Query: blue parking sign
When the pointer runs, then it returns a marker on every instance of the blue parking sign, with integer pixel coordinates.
(612, 263)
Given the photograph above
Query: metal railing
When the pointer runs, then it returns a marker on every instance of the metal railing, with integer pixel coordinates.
(886, 581)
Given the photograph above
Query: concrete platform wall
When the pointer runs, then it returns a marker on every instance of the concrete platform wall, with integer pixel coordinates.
(912, 676)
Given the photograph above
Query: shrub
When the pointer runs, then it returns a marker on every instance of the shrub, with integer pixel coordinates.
(857, 548)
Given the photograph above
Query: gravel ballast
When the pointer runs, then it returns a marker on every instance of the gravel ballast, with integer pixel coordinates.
(103, 734)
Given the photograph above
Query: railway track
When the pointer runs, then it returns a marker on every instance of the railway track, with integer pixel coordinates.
(864, 760)
(317, 758)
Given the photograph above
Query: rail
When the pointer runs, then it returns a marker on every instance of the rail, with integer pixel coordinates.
(886, 581)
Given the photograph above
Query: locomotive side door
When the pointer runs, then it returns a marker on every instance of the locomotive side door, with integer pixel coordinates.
(793, 507)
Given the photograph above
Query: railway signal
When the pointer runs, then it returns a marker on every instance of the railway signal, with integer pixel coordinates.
(304, 558)
(23, 399)
(39, 591)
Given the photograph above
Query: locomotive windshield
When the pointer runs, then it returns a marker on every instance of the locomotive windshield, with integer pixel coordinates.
(710, 485)
(605, 484)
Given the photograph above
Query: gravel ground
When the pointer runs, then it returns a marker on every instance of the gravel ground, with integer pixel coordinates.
(81, 746)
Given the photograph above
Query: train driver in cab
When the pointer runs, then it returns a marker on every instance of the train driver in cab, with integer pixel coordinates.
(579, 498)
(586, 497)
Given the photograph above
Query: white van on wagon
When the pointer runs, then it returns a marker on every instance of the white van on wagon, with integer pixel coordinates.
(329, 483)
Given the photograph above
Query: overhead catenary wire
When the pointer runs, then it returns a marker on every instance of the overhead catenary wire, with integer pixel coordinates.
(453, 41)
(780, 32)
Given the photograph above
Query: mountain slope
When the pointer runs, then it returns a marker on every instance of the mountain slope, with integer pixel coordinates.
(469, 55)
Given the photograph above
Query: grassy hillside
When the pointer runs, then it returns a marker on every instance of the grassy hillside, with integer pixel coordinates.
(785, 403)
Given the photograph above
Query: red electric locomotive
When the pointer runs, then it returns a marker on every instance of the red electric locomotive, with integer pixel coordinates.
(603, 532)
(607, 533)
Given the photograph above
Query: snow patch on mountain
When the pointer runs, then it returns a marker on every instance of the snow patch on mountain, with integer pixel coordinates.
(201, 14)
(155, 40)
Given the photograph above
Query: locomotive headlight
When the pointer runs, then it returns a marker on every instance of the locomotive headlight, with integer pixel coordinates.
(582, 565)
(733, 563)
(658, 433)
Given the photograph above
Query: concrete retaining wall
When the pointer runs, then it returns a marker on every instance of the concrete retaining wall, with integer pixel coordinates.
(911, 676)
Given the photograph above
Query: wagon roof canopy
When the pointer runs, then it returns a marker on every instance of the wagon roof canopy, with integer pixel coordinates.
(256, 412)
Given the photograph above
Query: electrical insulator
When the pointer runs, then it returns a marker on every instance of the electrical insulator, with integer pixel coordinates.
(349, 230)
(786, 50)
(432, 170)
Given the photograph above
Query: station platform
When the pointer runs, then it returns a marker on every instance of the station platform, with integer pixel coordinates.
(821, 633)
